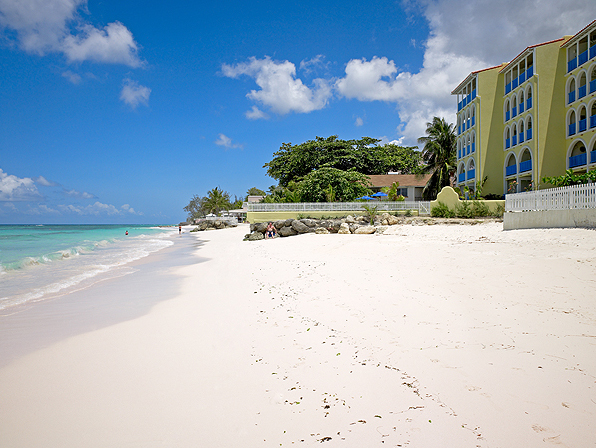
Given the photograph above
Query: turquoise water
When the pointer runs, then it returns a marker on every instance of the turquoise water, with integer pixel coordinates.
(39, 262)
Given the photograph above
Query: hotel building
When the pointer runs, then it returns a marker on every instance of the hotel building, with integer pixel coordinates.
(531, 118)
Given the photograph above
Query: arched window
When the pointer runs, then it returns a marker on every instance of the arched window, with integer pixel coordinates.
(473, 141)
(578, 155)
(513, 106)
(581, 90)
(521, 131)
(513, 135)
(571, 91)
(593, 116)
(529, 99)
(593, 80)
(507, 110)
(529, 128)
(571, 124)
(511, 167)
(582, 119)
(525, 163)
(522, 103)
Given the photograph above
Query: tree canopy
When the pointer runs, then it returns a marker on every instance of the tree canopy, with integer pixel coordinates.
(215, 201)
(365, 156)
(331, 184)
(438, 153)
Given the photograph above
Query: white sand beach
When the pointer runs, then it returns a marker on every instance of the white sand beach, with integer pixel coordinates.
(427, 336)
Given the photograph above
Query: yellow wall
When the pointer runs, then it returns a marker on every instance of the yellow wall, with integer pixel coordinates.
(451, 199)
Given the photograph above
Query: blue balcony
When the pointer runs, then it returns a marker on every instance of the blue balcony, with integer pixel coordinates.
(579, 160)
(593, 51)
(514, 140)
(525, 166)
(572, 129)
(593, 121)
(507, 143)
(474, 147)
(572, 65)
(508, 88)
(507, 116)
(511, 170)
(521, 137)
(529, 134)
(459, 129)
(461, 177)
(571, 97)
(459, 153)
(583, 58)
(514, 83)
(521, 107)
(530, 72)
(473, 93)
(469, 98)
(522, 78)
(583, 125)
(468, 149)
(513, 111)
(471, 174)
(473, 120)
(529, 103)
(468, 123)
(593, 86)
(463, 102)
(581, 92)
(459, 106)
(593, 156)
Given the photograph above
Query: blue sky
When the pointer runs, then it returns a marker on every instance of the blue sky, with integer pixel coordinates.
(119, 112)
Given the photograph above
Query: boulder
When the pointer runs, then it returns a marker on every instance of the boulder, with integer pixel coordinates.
(350, 219)
(279, 224)
(289, 222)
(300, 227)
(309, 222)
(365, 230)
(344, 229)
(393, 220)
(259, 227)
(362, 219)
(287, 231)
(321, 231)
(353, 227)
(256, 236)
(333, 225)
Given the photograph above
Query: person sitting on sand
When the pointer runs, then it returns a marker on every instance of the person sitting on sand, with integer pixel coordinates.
(271, 231)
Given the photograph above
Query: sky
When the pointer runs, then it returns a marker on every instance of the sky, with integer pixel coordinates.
(121, 111)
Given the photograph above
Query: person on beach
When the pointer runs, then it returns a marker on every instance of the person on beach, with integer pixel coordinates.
(179, 230)
(271, 231)
(126, 232)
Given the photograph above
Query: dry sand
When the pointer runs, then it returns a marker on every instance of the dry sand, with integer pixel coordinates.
(427, 336)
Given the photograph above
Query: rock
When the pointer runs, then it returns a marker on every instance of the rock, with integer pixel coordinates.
(321, 231)
(353, 227)
(365, 230)
(309, 222)
(344, 229)
(289, 222)
(384, 222)
(333, 226)
(381, 229)
(393, 220)
(362, 219)
(287, 231)
(300, 227)
(255, 236)
(350, 219)
(258, 227)
(279, 224)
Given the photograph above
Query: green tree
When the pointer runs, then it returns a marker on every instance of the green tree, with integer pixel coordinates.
(195, 208)
(570, 178)
(391, 191)
(346, 185)
(293, 162)
(216, 201)
(439, 155)
(254, 191)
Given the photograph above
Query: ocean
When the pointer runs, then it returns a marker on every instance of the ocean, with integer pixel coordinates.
(40, 262)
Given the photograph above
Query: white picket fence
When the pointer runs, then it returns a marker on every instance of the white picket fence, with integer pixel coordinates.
(563, 198)
(423, 207)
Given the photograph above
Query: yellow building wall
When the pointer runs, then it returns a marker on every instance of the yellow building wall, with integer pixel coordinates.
(490, 90)
(550, 69)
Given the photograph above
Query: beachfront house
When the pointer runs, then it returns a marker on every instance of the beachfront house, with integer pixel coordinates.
(530, 118)
(410, 185)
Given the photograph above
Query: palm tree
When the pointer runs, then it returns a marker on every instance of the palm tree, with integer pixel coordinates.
(216, 201)
(438, 154)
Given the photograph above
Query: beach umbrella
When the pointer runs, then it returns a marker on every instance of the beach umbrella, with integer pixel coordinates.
(379, 194)
(366, 198)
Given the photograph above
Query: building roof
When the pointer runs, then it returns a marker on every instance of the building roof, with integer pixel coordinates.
(525, 50)
(574, 38)
(405, 180)
(469, 77)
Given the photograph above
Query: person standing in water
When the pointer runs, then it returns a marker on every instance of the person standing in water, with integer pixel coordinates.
(126, 232)
(179, 230)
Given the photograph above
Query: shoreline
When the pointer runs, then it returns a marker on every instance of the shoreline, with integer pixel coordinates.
(427, 336)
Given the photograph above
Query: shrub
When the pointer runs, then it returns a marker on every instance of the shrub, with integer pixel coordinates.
(441, 210)
(400, 198)
(464, 210)
(408, 213)
(499, 211)
(480, 209)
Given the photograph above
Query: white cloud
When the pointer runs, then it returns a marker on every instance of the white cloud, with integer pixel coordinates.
(74, 78)
(311, 65)
(279, 89)
(359, 122)
(78, 194)
(98, 208)
(226, 142)
(256, 114)
(462, 39)
(48, 26)
(13, 188)
(128, 209)
(45, 182)
(134, 94)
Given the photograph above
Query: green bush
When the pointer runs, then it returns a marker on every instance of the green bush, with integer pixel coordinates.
(408, 213)
(480, 209)
(464, 210)
(441, 210)
(499, 211)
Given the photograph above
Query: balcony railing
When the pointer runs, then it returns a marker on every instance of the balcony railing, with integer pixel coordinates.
(521, 107)
(593, 86)
(459, 153)
(571, 97)
(522, 78)
(474, 119)
(581, 92)
(507, 115)
(571, 65)
(469, 98)
(593, 51)
(463, 102)
(471, 174)
(529, 134)
(513, 112)
(474, 147)
(583, 125)
(507, 143)
(514, 83)
(525, 166)
(583, 58)
(468, 149)
(511, 170)
(473, 93)
(461, 177)
(467, 124)
(459, 130)
(521, 137)
(578, 160)
(593, 121)
(572, 129)
(459, 106)
(530, 72)
(529, 103)
(508, 88)
(514, 140)
(593, 156)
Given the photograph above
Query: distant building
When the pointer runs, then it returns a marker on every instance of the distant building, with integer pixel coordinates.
(530, 118)
(410, 185)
